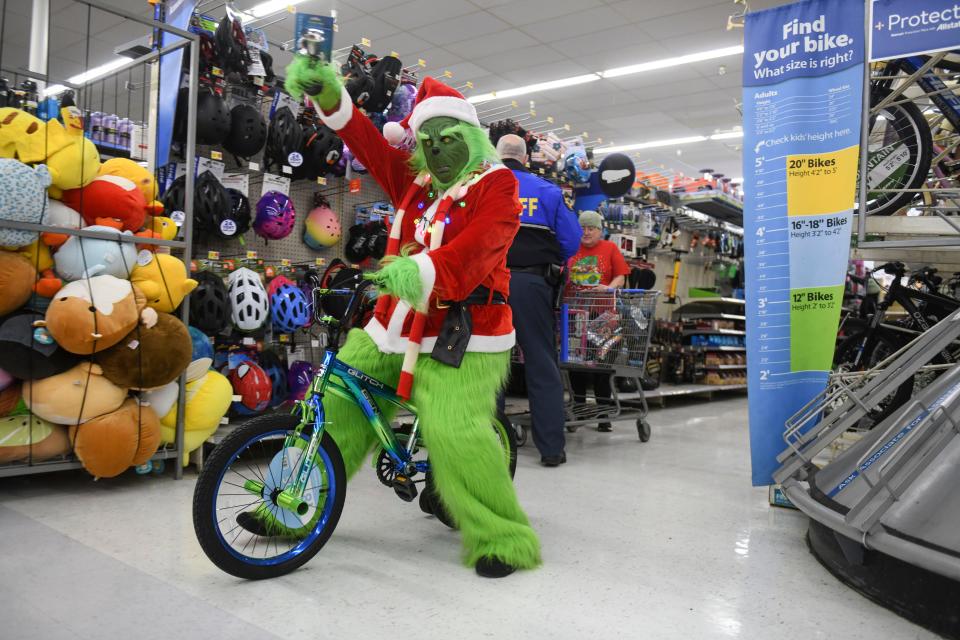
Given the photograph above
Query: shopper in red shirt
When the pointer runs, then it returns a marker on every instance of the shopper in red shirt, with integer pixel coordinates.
(597, 265)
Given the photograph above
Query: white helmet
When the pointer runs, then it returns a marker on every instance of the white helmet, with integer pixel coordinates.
(249, 302)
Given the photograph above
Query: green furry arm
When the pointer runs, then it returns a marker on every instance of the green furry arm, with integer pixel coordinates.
(400, 276)
(315, 78)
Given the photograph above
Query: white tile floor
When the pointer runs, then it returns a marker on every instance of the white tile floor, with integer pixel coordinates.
(659, 540)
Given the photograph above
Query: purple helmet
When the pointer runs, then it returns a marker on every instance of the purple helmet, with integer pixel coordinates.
(299, 377)
(402, 104)
(275, 216)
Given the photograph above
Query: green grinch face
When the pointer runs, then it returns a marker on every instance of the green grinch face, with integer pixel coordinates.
(445, 150)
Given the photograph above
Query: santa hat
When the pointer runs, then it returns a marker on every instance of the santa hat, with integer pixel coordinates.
(433, 99)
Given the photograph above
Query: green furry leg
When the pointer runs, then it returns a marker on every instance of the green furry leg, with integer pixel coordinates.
(456, 408)
(346, 422)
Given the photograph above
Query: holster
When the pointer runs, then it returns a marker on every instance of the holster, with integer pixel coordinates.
(457, 326)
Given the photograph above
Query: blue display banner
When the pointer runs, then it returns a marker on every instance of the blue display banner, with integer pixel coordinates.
(802, 101)
(324, 24)
(171, 64)
(907, 27)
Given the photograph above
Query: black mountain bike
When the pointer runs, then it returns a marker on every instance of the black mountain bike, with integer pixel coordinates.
(870, 339)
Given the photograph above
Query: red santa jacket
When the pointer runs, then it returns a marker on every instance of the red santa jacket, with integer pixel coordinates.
(480, 227)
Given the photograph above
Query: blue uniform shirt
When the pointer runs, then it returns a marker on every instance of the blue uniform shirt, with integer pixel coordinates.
(549, 232)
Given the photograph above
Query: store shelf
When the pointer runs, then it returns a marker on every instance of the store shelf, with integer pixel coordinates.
(714, 332)
(722, 367)
(706, 347)
(66, 464)
(713, 203)
(679, 390)
(713, 316)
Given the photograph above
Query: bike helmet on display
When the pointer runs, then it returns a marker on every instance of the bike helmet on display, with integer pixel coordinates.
(289, 309)
(209, 303)
(284, 137)
(356, 76)
(253, 385)
(299, 377)
(576, 166)
(270, 362)
(322, 149)
(386, 79)
(248, 131)
(232, 46)
(213, 117)
(212, 208)
(249, 305)
(402, 104)
(355, 249)
(202, 348)
(267, 61)
(321, 229)
(173, 198)
(377, 236)
(240, 211)
(276, 283)
(275, 216)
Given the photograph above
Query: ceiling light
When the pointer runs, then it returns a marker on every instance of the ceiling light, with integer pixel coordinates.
(609, 73)
(87, 76)
(271, 6)
(530, 88)
(673, 62)
(652, 144)
(727, 135)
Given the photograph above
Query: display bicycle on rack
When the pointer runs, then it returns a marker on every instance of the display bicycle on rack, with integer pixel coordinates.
(278, 484)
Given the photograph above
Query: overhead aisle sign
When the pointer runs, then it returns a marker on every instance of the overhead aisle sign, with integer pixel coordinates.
(901, 28)
(802, 101)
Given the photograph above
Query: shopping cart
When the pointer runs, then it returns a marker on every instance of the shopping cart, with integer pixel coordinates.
(605, 332)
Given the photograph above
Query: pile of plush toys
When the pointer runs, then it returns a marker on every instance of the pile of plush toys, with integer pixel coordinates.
(90, 350)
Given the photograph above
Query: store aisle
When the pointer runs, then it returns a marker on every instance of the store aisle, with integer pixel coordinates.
(658, 540)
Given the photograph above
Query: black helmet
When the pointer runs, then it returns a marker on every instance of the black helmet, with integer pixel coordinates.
(267, 61)
(285, 137)
(385, 76)
(356, 248)
(213, 118)
(212, 208)
(323, 149)
(209, 303)
(173, 197)
(248, 131)
(377, 236)
(232, 46)
(240, 210)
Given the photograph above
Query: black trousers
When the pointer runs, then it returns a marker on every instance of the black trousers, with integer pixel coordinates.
(579, 380)
(531, 300)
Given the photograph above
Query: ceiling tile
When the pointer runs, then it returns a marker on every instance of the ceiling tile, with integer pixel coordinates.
(680, 24)
(367, 26)
(456, 30)
(487, 4)
(368, 6)
(702, 41)
(613, 39)
(519, 59)
(541, 73)
(418, 13)
(574, 24)
(642, 10)
(674, 76)
(435, 57)
(626, 54)
(523, 12)
(503, 40)
(403, 43)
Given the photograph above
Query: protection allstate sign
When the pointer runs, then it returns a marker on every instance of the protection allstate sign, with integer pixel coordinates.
(901, 28)
(802, 97)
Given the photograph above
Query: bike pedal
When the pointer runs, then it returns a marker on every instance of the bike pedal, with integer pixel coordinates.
(405, 488)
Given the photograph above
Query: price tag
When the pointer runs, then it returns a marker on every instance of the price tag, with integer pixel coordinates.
(216, 155)
(253, 166)
(193, 266)
(287, 169)
(355, 185)
(336, 28)
(320, 262)
(236, 398)
(321, 181)
(276, 183)
(144, 258)
(422, 63)
(394, 54)
(178, 217)
(251, 255)
(447, 74)
(230, 264)
(364, 42)
(284, 337)
(285, 262)
(550, 119)
(213, 255)
(315, 344)
(270, 272)
(224, 420)
(238, 181)
(217, 71)
(249, 341)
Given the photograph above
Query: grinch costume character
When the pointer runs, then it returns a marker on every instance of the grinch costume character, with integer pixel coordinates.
(442, 330)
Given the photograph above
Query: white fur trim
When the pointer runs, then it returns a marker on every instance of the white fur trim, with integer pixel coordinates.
(428, 274)
(477, 178)
(393, 132)
(339, 118)
(443, 106)
(388, 343)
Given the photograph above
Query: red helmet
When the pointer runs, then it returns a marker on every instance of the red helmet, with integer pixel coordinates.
(253, 385)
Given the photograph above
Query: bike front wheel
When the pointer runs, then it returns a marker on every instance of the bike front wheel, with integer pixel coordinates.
(237, 512)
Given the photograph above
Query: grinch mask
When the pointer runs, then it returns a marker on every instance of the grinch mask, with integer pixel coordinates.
(445, 150)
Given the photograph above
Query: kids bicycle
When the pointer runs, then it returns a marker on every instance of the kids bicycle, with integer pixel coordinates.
(270, 494)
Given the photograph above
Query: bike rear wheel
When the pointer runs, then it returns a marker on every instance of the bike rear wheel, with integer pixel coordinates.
(900, 150)
(236, 515)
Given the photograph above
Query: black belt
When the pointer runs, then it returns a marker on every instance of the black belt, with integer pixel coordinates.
(539, 269)
(457, 326)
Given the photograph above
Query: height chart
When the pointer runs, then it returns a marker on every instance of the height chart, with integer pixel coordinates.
(802, 100)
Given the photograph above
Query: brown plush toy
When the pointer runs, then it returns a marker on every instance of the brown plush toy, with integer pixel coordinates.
(60, 398)
(17, 276)
(109, 445)
(148, 357)
(26, 437)
(93, 314)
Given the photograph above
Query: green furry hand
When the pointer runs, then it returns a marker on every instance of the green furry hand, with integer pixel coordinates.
(400, 276)
(316, 79)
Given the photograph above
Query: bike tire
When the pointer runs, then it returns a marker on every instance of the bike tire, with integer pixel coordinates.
(205, 496)
(914, 131)
(883, 347)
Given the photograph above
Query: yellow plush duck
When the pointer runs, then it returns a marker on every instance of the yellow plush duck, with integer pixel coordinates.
(72, 159)
(163, 280)
(126, 168)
